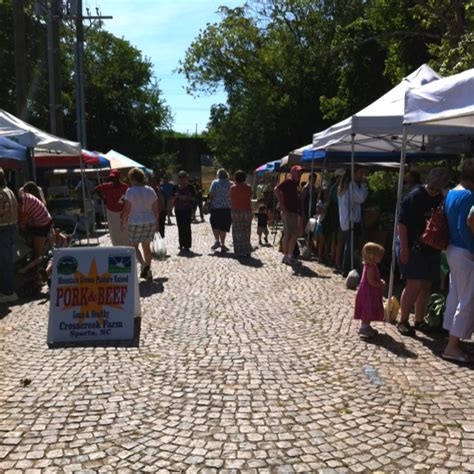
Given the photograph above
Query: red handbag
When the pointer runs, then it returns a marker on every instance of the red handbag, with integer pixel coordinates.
(436, 233)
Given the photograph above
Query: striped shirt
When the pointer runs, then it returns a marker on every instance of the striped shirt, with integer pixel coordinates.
(34, 212)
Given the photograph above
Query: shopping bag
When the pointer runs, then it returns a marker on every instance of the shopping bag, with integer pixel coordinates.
(158, 247)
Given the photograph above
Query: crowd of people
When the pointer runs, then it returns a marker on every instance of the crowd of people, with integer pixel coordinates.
(325, 215)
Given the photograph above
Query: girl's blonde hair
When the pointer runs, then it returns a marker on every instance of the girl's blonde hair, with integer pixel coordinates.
(370, 251)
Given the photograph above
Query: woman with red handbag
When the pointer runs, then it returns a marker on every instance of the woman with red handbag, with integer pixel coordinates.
(459, 314)
(419, 263)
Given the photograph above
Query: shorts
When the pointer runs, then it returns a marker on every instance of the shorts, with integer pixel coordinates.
(262, 230)
(291, 227)
(221, 219)
(40, 231)
(141, 233)
(422, 265)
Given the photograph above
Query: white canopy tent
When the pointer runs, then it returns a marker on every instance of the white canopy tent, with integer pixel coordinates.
(443, 107)
(379, 128)
(32, 137)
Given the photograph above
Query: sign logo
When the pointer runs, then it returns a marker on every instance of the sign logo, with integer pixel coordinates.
(67, 265)
(120, 264)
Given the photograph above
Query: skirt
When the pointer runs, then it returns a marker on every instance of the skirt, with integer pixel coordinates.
(140, 233)
(221, 219)
(241, 229)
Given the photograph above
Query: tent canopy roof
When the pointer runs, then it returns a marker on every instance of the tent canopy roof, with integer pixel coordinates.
(119, 161)
(378, 127)
(29, 136)
(444, 106)
(12, 150)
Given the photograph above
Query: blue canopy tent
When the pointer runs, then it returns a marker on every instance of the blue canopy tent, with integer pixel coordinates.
(269, 167)
(12, 150)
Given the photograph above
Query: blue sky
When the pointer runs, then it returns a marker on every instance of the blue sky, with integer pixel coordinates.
(162, 30)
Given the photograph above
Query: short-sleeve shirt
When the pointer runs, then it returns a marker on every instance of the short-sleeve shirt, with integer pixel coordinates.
(289, 189)
(241, 197)
(185, 197)
(34, 212)
(112, 195)
(220, 189)
(141, 199)
(458, 206)
(168, 189)
(415, 210)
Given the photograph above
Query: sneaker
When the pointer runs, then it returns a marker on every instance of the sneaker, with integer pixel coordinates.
(405, 329)
(294, 261)
(423, 327)
(216, 245)
(286, 260)
(224, 248)
(9, 298)
(144, 272)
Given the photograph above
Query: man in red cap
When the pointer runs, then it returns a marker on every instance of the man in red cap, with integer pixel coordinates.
(112, 193)
(287, 195)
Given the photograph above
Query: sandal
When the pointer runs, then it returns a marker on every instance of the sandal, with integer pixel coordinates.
(461, 359)
(422, 326)
(405, 329)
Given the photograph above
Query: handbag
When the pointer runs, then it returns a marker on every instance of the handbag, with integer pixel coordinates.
(436, 233)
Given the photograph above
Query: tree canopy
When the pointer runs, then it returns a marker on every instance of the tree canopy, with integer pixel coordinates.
(125, 109)
(293, 67)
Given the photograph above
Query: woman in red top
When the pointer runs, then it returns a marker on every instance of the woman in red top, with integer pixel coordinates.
(241, 208)
(35, 219)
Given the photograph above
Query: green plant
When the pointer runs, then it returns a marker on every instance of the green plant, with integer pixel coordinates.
(436, 307)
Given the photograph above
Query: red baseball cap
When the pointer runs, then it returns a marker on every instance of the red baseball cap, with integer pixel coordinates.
(296, 168)
(114, 174)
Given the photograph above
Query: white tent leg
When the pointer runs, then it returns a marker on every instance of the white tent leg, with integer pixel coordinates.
(401, 176)
(351, 204)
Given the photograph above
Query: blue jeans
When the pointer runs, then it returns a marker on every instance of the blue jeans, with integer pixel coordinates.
(7, 274)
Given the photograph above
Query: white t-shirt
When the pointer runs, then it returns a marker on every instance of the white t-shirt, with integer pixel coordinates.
(141, 199)
(357, 194)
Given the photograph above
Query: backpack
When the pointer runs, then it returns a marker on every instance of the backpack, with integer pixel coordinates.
(8, 207)
(436, 233)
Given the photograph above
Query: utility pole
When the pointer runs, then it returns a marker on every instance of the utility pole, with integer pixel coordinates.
(79, 76)
(76, 11)
(54, 70)
(20, 59)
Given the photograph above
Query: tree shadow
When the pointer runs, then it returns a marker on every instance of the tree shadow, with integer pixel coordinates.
(150, 288)
(306, 272)
(135, 342)
(4, 311)
(388, 342)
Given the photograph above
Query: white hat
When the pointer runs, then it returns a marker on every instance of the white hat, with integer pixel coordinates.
(340, 172)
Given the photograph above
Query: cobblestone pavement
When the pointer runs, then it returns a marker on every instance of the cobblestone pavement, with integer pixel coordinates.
(240, 367)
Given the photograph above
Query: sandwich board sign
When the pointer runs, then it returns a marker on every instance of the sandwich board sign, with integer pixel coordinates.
(94, 295)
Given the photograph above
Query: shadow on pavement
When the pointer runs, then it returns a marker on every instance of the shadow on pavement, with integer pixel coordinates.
(135, 342)
(388, 342)
(4, 311)
(303, 271)
(250, 261)
(149, 288)
(190, 254)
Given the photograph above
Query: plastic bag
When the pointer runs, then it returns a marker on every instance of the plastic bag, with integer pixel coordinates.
(158, 247)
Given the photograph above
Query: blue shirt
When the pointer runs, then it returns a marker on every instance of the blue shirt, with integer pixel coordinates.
(457, 206)
(167, 189)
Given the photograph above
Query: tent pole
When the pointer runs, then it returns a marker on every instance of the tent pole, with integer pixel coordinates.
(83, 187)
(401, 176)
(351, 204)
(310, 192)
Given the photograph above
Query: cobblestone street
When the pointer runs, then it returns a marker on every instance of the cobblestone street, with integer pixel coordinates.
(240, 366)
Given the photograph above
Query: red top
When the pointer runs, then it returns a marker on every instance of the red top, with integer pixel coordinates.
(112, 195)
(34, 212)
(241, 197)
(289, 189)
